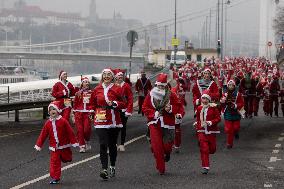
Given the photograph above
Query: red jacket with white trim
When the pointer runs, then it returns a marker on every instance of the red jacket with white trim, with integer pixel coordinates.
(61, 91)
(128, 97)
(60, 134)
(82, 101)
(211, 117)
(167, 119)
(107, 116)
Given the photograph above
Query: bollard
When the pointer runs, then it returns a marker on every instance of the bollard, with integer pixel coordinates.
(17, 115)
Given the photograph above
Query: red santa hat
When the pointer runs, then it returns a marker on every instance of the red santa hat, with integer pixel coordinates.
(232, 82)
(206, 94)
(55, 105)
(118, 72)
(61, 74)
(83, 79)
(162, 79)
(207, 70)
(108, 70)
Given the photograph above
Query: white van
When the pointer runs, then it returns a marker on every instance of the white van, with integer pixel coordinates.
(180, 58)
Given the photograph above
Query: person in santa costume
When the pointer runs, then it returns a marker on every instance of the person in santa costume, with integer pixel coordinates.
(232, 103)
(107, 101)
(206, 125)
(161, 108)
(179, 90)
(61, 138)
(274, 90)
(127, 112)
(62, 91)
(206, 83)
(142, 88)
(82, 112)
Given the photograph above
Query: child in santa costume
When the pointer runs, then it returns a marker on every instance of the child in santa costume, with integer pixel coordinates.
(179, 90)
(61, 138)
(232, 102)
(161, 108)
(207, 118)
(62, 91)
(127, 112)
(107, 101)
(82, 112)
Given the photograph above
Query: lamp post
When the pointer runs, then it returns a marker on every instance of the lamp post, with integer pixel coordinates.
(175, 36)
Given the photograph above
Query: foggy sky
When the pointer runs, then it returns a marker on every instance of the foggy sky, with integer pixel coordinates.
(241, 19)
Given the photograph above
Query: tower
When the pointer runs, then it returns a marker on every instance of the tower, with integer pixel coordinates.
(266, 31)
(93, 16)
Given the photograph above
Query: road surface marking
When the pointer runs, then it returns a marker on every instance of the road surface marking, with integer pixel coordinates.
(275, 151)
(271, 168)
(13, 134)
(277, 145)
(280, 138)
(267, 185)
(71, 165)
(274, 159)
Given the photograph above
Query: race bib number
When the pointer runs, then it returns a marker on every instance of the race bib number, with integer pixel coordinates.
(101, 115)
(67, 102)
(86, 98)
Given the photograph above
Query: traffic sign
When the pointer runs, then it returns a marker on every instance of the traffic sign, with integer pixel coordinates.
(269, 43)
(175, 42)
(132, 37)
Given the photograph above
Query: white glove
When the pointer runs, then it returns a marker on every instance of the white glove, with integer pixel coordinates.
(64, 92)
(128, 114)
(157, 114)
(209, 123)
(37, 148)
(197, 102)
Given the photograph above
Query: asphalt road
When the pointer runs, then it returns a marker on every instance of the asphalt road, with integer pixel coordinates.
(254, 162)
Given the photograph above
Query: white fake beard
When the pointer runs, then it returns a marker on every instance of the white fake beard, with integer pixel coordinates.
(158, 93)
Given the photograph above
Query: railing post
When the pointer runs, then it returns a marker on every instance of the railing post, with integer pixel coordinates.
(45, 112)
(17, 116)
(8, 100)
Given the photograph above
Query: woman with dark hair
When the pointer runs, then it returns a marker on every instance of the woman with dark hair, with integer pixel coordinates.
(106, 101)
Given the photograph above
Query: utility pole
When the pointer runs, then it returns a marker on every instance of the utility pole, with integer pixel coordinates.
(218, 29)
(206, 32)
(176, 48)
(222, 31)
(209, 37)
(165, 37)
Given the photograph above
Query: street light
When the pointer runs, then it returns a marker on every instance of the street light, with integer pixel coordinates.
(175, 36)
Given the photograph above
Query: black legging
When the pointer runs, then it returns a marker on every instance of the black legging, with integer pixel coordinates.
(123, 129)
(107, 140)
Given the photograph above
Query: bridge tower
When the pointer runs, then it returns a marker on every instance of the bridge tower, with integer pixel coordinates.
(266, 31)
(93, 16)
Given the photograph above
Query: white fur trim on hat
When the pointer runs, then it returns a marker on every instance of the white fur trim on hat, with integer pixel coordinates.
(108, 70)
(206, 96)
(55, 107)
(62, 74)
(159, 83)
(118, 74)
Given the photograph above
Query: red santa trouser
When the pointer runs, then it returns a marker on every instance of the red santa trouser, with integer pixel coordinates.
(266, 106)
(231, 128)
(249, 104)
(140, 102)
(177, 135)
(159, 147)
(83, 125)
(66, 113)
(207, 145)
(64, 155)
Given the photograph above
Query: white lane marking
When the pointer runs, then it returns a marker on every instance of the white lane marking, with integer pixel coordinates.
(71, 165)
(281, 139)
(267, 185)
(277, 145)
(275, 151)
(274, 159)
(271, 168)
(13, 134)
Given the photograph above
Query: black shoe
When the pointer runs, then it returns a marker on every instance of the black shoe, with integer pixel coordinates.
(167, 157)
(237, 136)
(111, 172)
(104, 174)
(54, 181)
(229, 146)
(204, 171)
(139, 111)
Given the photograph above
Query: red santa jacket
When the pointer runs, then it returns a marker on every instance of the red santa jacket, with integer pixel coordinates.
(237, 102)
(211, 117)
(82, 101)
(61, 91)
(60, 134)
(167, 119)
(128, 97)
(274, 88)
(143, 88)
(180, 94)
(107, 116)
(197, 92)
